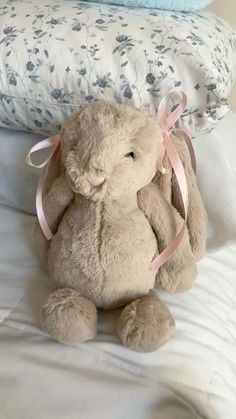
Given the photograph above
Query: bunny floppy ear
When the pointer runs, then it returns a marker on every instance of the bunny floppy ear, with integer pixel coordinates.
(169, 187)
(197, 216)
(163, 182)
(180, 188)
(70, 132)
(55, 167)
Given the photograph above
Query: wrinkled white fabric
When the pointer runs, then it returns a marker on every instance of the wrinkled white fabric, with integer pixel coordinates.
(193, 375)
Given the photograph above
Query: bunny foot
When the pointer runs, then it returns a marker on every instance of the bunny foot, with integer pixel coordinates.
(69, 317)
(145, 324)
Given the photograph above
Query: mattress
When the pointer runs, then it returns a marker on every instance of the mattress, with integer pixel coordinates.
(192, 376)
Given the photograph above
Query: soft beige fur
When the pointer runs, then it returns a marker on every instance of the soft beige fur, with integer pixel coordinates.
(105, 236)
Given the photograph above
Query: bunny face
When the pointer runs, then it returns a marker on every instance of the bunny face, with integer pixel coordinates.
(110, 150)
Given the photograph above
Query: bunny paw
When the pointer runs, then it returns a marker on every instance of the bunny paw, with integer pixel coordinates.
(145, 324)
(69, 317)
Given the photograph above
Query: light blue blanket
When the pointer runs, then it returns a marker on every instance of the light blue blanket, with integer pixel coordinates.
(180, 5)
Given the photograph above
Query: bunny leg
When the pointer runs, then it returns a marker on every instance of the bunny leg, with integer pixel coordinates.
(145, 324)
(69, 317)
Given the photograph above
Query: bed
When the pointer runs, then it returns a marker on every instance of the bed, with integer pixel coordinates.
(192, 376)
(147, 53)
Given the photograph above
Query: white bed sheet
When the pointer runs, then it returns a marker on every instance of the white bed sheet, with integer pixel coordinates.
(192, 376)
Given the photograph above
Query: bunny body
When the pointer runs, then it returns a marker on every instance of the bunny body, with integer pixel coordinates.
(106, 259)
(109, 220)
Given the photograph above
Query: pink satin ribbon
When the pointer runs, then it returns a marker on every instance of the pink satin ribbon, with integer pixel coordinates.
(167, 123)
(48, 142)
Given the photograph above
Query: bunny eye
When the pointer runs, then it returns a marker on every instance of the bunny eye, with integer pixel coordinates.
(130, 154)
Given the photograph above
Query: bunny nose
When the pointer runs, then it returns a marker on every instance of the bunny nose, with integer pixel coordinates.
(95, 180)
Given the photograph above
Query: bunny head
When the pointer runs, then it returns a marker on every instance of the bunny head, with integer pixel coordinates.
(110, 150)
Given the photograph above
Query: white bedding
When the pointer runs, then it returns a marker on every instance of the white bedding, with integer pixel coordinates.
(192, 376)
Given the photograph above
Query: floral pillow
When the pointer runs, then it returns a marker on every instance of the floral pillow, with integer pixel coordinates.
(58, 55)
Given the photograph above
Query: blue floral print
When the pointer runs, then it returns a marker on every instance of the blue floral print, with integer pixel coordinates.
(56, 55)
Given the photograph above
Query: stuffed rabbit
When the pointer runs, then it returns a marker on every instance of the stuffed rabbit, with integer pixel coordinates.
(111, 213)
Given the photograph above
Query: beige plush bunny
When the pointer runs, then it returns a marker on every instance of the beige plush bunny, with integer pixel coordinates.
(111, 213)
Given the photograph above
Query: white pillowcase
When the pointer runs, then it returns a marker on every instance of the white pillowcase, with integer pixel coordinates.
(57, 55)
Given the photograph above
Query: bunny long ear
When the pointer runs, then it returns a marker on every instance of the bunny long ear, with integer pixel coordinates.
(51, 172)
(163, 182)
(197, 218)
(54, 169)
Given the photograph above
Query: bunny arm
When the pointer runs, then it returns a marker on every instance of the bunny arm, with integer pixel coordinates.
(55, 202)
(197, 216)
(179, 272)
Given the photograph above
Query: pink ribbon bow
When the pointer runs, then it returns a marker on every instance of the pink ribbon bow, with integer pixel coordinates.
(167, 123)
